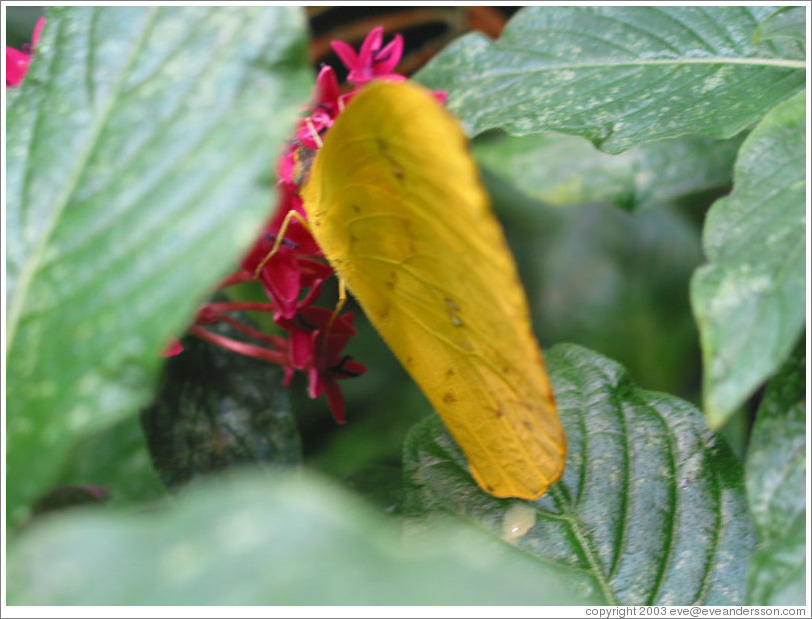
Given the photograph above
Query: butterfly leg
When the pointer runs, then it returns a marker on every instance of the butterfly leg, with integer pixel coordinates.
(342, 299)
(290, 216)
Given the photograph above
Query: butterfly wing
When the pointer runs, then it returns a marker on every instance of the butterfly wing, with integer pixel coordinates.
(395, 203)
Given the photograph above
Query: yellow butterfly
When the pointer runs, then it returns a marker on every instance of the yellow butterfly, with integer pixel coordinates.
(395, 202)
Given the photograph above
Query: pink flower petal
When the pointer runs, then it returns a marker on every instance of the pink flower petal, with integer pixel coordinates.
(282, 281)
(172, 349)
(284, 167)
(371, 44)
(440, 95)
(327, 89)
(345, 52)
(301, 350)
(389, 57)
(336, 400)
(347, 368)
(37, 32)
(16, 66)
(314, 385)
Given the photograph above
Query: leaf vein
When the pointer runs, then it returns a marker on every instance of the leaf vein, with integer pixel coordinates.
(37, 256)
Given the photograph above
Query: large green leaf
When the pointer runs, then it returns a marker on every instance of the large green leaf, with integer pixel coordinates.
(651, 503)
(136, 152)
(619, 75)
(280, 541)
(777, 488)
(749, 299)
(561, 169)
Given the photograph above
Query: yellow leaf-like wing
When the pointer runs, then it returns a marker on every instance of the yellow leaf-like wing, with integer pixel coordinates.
(396, 205)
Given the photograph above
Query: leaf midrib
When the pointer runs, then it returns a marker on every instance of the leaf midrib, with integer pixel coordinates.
(36, 256)
(721, 61)
(595, 568)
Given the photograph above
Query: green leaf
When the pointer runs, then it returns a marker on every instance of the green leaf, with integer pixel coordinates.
(651, 503)
(563, 170)
(273, 541)
(117, 459)
(136, 152)
(618, 76)
(789, 22)
(381, 485)
(749, 299)
(776, 488)
(216, 410)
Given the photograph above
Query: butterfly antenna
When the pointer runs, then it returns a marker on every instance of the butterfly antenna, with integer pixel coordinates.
(342, 299)
(313, 133)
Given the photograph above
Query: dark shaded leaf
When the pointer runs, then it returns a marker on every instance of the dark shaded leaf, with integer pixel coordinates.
(651, 503)
(63, 497)
(216, 410)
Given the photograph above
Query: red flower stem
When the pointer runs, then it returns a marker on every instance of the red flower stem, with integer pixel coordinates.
(273, 356)
(238, 277)
(277, 342)
(241, 306)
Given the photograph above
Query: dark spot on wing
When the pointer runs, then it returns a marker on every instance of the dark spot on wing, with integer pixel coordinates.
(392, 281)
(397, 170)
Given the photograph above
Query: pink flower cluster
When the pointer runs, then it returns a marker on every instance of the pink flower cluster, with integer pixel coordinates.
(293, 276)
(17, 60)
